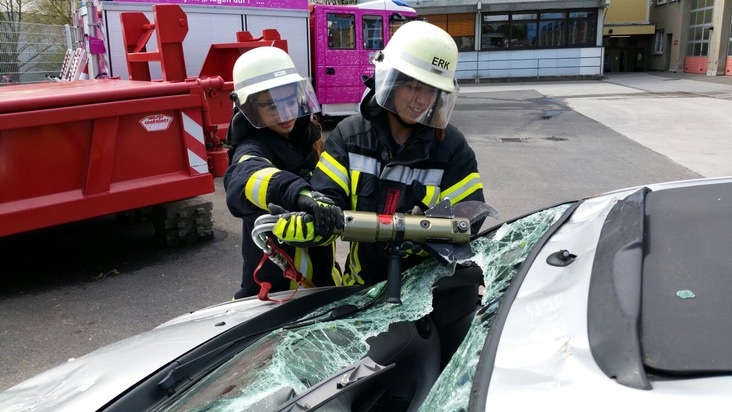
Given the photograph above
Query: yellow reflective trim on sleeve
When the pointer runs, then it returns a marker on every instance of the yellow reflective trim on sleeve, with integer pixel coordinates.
(468, 191)
(431, 196)
(352, 277)
(462, 189)
(247, 157)
(335, 272)
(334, 170)
(303, 264)
(256, 188)
(355, 175)
(354, 263)
(337, 277)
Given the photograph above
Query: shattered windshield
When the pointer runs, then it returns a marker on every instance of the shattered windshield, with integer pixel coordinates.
(499, 256)
(288, 362)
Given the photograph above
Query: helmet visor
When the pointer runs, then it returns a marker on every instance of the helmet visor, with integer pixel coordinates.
(411, 99)
(280, 104)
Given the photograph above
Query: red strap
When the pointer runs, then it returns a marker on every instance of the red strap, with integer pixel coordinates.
(290, 273)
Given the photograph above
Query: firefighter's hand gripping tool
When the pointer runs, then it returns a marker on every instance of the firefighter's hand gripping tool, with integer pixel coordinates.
(443, 230)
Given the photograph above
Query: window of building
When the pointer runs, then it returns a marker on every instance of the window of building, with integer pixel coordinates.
(552, 29)
(373, 32)
(341, 31)
(439, 20)
(582, 28)
(700, 22)
(525, 30)
(494, 32)
(461, 26)
(658, 42)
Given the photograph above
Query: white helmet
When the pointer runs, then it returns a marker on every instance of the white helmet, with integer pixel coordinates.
(423, 58)
(269, 90)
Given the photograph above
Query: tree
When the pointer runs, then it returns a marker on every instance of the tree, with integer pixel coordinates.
(50, 11)
(26, 45)
(36, 11)
(10, 19)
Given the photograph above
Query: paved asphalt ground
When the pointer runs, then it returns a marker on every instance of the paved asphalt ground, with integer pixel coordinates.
(69, 290)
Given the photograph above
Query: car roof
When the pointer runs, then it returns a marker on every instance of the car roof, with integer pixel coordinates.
(688, 252)
(660, 285)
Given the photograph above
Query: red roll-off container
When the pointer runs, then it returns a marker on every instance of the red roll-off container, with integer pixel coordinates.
(75, 150)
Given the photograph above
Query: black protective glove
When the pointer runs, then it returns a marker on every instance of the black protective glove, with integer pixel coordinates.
(327, 216)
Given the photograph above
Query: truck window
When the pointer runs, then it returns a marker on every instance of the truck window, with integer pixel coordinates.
(373, 32)
(396, 21)
(341, 31)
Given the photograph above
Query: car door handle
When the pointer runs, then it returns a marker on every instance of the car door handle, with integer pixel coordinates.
(329, 70)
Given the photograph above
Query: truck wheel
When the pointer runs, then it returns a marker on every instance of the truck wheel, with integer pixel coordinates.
(183, 221)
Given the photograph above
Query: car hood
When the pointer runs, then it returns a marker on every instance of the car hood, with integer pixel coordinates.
(91, 381)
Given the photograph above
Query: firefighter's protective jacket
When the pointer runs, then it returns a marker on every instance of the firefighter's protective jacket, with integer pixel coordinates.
(362, 169)
(267, 168)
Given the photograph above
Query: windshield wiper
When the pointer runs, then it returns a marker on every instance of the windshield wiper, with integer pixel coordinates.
(331, 387)
(195, 365)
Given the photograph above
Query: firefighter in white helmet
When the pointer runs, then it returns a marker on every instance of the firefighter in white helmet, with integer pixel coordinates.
(276, 144)
(400, 152)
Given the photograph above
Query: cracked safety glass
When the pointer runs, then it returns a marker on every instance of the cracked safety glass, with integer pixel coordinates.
(499, 256)
(289, 362)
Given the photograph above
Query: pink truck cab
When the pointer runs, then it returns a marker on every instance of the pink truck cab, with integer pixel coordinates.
(343, 41)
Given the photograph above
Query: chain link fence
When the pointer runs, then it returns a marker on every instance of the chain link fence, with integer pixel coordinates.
(31, 52)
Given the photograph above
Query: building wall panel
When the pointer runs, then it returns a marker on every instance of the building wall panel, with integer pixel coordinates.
(530, 63)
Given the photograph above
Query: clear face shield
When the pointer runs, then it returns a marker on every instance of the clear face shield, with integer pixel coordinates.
(280, 104)
(412, 100)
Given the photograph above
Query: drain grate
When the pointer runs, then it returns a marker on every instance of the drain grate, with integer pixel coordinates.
(511, 140)
(548, 114)
(529, 139)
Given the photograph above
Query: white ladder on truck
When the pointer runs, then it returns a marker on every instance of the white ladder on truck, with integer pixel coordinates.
(73, 65)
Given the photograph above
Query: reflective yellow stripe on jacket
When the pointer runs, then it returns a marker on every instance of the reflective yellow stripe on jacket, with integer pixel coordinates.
(355, 175)
(335, 171)
(335, 271)
(353, 278)
(462, 189)
(247, 157)
(256, 188)
(432, 195)
(303, 264)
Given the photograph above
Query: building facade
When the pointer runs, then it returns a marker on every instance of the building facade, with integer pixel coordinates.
(627, 35)
(511, 39)
(692, 36)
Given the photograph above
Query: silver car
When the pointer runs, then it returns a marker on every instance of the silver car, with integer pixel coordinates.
(617, 301)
